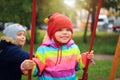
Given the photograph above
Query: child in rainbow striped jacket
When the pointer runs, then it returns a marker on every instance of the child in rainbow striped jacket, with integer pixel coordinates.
(58, 58)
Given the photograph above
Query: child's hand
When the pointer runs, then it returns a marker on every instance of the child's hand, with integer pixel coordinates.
(86, 56)
(28, 64)
(90, 55)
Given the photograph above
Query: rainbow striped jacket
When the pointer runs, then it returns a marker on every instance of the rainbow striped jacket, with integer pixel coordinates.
(53, 63)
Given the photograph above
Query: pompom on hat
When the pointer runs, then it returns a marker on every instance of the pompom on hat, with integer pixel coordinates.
(58, 21)
(12, 30)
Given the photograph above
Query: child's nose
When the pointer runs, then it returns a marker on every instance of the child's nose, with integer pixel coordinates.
(23, 37)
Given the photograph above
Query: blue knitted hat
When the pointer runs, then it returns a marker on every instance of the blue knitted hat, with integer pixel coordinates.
(12, 30)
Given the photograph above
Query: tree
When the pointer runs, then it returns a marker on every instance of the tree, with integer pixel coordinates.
(47, 7)
(15, 11)
(91, 8)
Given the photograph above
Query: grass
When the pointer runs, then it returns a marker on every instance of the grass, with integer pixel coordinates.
(104, 43)
(101, 71)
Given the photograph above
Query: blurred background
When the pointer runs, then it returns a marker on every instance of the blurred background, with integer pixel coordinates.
(81, 12)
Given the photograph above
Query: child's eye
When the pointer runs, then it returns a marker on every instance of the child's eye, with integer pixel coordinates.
(60, 30)
(64, 29)
(67, 29)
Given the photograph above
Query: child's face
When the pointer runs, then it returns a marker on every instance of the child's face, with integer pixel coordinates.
(63, 35)
(21, 38)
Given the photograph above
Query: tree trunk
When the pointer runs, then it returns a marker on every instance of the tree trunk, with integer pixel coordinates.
(93, 18)
(86, 27)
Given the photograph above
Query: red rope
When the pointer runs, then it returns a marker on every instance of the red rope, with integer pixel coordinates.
(85, 74)
(32, 34)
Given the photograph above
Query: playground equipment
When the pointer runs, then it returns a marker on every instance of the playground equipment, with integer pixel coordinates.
(115, 61)
(85, 74)
(32, 34)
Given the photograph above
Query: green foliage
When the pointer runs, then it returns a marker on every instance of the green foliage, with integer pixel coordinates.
(26, 78)
(1, 34)
(47, 7)
(15, 11)
(104, 43)
(20, 11)
(86, 4)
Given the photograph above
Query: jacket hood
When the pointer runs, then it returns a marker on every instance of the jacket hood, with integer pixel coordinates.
(8, 39)
(48, 42)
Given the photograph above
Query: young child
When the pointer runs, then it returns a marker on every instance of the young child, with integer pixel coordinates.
(58, 58)
(11, 55)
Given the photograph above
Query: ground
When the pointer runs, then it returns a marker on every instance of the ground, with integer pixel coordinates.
(103, 57)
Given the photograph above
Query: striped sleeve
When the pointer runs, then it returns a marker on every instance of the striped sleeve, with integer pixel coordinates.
(80, 64)
(40, 62)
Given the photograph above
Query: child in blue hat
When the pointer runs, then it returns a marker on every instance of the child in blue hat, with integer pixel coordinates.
(11, 54)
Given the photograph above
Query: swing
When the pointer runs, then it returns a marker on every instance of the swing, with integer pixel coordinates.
(85, 73)
(32, 34)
